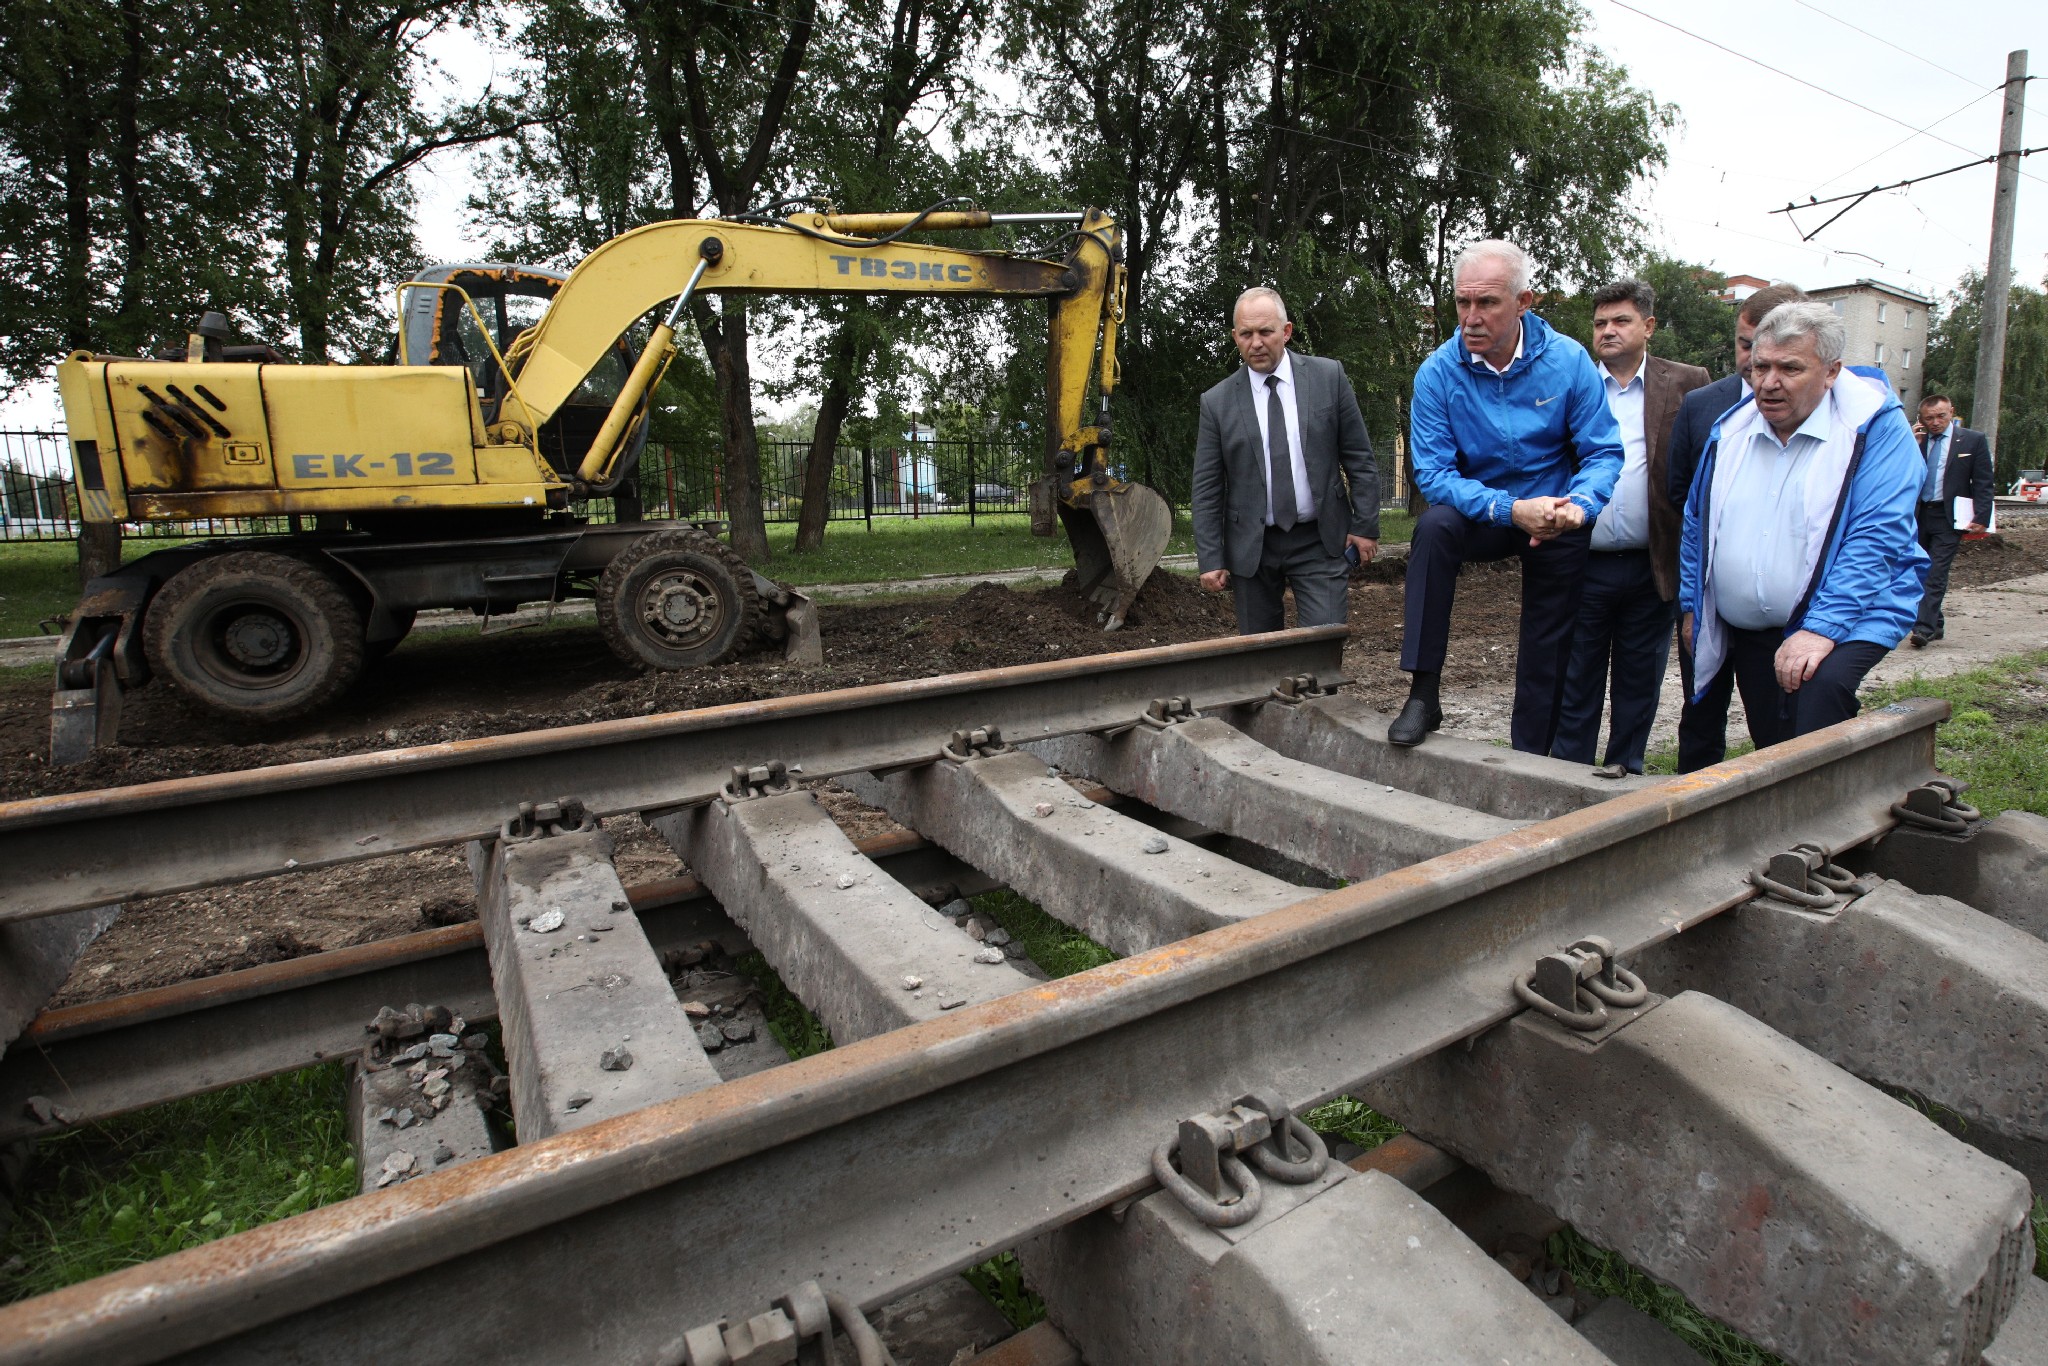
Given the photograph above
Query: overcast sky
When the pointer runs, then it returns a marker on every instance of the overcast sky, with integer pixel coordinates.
(1749, 140)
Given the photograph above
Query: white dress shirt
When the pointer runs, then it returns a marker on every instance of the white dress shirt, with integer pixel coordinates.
(1625, 522)
(1304, 496)
(1521, 335)
(1760, 525)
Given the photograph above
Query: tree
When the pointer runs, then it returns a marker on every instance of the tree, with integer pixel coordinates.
(1694, 326)
(1952, 370)
(888, 59)
(720, 79)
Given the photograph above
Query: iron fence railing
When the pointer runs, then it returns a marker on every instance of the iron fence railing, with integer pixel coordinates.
(912, 479)
(909, 479)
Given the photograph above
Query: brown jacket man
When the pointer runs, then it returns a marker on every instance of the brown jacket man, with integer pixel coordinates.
(1665, 385)
(1630, 588)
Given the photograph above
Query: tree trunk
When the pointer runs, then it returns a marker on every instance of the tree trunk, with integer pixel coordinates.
(842, 366)
(726, 342)
(99, 550)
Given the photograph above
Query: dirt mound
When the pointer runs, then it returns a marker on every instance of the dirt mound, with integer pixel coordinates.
(2000, 556)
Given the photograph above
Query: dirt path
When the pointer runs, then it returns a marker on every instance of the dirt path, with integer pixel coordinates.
(445, 686)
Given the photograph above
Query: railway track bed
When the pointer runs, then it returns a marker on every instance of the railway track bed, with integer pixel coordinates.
(1652, 1009)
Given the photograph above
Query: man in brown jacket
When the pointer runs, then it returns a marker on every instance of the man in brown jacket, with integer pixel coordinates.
(1623, 630)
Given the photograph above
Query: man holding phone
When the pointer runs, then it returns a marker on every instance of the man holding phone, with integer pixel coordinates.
(1285, 487)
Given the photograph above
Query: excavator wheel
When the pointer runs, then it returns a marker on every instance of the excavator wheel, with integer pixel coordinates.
(677, 598)
(255, 636)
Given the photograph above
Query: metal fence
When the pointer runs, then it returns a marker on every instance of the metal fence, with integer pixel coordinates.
(913, 479)
(38, 502)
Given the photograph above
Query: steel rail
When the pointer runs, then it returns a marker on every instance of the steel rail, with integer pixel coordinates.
(110, 1057)
(881, 1166)
(94, 848)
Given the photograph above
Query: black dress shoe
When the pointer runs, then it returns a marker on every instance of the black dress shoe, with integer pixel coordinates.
(1917, 641)
(1417, 719)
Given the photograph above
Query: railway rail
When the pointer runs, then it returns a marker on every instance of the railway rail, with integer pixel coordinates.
(1652, 1007)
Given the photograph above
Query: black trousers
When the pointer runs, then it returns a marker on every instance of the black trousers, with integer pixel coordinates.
(1702, 725)
(1552, 573)
(1775, 715)
(1292, 559)
(1623, 634)
(1939, 538)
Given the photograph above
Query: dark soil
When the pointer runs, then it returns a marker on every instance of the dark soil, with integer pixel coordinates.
(2003, 555)
(445, 686)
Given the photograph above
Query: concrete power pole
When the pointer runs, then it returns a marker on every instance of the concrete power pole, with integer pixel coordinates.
(1998, 278)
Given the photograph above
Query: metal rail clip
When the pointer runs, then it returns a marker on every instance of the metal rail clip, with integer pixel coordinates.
(1260, 1126)
(1292, 691)
(757, 780)
(798, 1328)
(1576, 986)
(1937, 805)
(1162, 712)
(978, 743)
(537, 820)
(1803, 876)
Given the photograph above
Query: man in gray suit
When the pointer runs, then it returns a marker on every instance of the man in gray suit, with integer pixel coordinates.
(1284, 477)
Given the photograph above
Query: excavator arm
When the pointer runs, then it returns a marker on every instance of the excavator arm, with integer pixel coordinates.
(1118, 529)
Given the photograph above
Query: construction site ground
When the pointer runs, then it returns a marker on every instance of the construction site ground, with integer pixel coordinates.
(450, 685)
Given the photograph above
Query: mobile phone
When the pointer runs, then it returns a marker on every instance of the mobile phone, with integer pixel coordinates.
(1351, 554)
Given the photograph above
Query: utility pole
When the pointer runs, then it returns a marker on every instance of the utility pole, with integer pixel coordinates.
(1998, 278)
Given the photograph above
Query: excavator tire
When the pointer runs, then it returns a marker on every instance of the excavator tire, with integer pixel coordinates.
(677, 598)
(255, 636)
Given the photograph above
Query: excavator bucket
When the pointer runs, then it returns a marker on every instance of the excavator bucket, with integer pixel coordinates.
(1118, 535)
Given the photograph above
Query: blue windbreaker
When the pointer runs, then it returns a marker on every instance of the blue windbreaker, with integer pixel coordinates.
(1478, 441)
(1874, 570)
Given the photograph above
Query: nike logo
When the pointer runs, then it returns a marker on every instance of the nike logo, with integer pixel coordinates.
(1552, 399)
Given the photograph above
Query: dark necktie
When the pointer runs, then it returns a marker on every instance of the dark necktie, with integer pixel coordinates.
(1282, 482)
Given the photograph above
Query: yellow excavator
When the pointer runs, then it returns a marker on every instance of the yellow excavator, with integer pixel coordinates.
(447, 480)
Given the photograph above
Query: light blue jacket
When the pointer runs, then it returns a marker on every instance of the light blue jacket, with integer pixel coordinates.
(1478, 441)
(1872, 568)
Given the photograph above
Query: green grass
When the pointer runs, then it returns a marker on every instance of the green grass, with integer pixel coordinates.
(38, 579)
(1602, 1273)
(1056, 947)
(1353, 1121)
(1996, 737)
(2040, 1220)
(790, 1023)
(1001, 1282)
(176, 1176)
(903, 548)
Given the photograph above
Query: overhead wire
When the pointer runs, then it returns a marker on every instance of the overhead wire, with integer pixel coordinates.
(1880, 38)
(1843, 175)
(1798, 80)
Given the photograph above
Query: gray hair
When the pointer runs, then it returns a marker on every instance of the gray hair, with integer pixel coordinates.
(1259, 292)
(1495, 249)
(1788, 322)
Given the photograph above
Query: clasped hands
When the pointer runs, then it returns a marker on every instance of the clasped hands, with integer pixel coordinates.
(1547, 518)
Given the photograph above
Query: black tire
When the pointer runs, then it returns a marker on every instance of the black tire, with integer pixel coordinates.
(255, 636)
(678, 598)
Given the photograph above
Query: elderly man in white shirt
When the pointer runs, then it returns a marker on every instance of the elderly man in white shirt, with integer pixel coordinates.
(1799, 568)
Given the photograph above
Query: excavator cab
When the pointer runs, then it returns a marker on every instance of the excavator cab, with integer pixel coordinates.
(504, 301)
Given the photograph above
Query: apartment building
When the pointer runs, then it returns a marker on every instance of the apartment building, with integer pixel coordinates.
(1887, 327)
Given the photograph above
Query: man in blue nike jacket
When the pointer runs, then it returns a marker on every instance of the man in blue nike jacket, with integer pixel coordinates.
(1514, 447)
